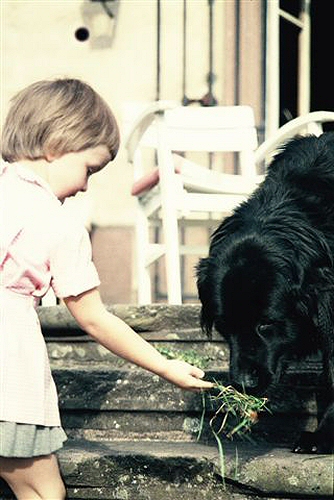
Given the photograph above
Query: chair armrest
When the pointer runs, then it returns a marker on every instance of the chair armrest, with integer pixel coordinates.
(197, 178)
(290, 129)
(141, 124)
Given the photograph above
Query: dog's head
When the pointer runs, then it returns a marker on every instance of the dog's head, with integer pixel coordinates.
(263, 296)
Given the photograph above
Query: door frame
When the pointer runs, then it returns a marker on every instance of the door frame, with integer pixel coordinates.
(272, 77)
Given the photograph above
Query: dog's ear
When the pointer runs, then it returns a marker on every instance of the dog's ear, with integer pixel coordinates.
(312, 273)
(326, 328)
(324, 299)
(315, 299)
(205, 295)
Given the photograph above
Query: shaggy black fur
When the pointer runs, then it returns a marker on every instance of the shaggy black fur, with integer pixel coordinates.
(268, 283)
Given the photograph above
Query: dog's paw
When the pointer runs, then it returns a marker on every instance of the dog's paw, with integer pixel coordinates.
(311, 442)
(307, 443)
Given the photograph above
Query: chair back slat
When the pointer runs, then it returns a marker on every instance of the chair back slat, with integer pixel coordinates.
(220, 128)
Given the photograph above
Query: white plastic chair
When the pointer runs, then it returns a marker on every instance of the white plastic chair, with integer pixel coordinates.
(310, 123)
(180, 190)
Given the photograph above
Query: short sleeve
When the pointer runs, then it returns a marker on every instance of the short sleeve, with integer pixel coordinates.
(72, 269)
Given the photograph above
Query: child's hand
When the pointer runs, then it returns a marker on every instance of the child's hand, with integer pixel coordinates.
(185, 375)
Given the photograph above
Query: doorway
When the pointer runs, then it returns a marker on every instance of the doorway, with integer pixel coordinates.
(321, 79)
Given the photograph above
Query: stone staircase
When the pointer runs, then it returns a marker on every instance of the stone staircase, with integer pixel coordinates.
(133, 436)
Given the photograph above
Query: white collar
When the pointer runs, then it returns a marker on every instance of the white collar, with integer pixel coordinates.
(27, 175)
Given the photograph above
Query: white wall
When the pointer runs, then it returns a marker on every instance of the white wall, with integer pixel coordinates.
(38, 41)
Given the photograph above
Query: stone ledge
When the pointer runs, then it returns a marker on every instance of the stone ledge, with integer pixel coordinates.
(191, 466)
(190, 471)
(150, 318)
(73, 351)
(98, 396)
(102, 386)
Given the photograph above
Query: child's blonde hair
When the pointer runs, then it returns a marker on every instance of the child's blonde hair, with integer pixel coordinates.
(57, 117)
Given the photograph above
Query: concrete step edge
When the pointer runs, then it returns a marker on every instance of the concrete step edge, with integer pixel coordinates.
(262, 470)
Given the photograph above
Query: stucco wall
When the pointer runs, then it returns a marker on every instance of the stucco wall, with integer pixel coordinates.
(38, 41)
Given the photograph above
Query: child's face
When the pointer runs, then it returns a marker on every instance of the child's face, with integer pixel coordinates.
(69, 174)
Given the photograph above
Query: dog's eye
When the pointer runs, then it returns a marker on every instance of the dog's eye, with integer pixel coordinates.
(263, 328)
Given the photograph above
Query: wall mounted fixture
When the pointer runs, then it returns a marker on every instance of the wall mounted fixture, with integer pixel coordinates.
(99, 23)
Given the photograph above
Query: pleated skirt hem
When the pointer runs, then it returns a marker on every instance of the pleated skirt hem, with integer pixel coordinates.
(27, 440)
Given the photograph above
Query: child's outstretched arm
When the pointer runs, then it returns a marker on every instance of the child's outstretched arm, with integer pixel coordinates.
(114, 334)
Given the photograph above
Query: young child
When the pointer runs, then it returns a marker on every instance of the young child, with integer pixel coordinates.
(56, 135)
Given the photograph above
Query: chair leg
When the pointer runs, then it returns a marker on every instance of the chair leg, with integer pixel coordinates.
(172, 256)
(144, 295)
(169, 215)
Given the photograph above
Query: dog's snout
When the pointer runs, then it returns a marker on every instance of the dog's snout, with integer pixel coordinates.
(251, 380)
(246, 380)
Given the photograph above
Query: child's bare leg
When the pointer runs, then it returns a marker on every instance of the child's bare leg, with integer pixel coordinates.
(33, 478)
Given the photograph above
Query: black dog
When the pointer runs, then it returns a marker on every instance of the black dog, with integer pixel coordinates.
(268, 283)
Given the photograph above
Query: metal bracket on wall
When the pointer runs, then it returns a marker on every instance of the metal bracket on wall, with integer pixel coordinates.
(100, 21)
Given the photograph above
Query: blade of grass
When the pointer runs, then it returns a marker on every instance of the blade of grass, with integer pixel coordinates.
(221, 458)
(201, 423)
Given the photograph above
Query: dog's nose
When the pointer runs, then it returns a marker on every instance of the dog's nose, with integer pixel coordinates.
(250, 380)
(246, 381)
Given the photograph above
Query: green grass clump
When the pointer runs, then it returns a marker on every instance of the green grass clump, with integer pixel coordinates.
(234, 414)
(236, 411)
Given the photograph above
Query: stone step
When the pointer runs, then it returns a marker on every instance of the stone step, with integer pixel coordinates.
(106, 401)
(103, 397)
(202, 353)
(146, 470)
(133, 436)
(56, 321)
(103, 400)
(172, 328)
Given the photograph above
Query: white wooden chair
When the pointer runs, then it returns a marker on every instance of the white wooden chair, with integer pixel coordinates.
(178, 190)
